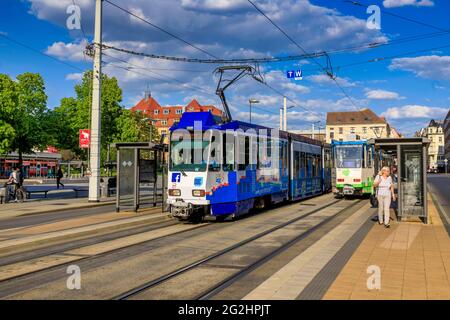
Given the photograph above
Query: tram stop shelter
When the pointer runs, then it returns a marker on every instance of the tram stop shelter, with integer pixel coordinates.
(407, 158)
(141, 172)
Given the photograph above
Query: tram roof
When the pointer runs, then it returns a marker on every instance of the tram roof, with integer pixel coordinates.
(209, 121)
(343, 143)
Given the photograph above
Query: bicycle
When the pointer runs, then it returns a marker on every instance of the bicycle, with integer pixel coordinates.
(19, 195)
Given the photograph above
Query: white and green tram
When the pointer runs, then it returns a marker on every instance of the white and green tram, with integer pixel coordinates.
(353, 168)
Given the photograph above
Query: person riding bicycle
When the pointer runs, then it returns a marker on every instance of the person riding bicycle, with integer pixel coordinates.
(15, 178)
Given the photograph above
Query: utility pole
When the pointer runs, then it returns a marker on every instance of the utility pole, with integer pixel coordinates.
(250, 101)
(313, 128)
(285, 114)
(281, 118)
(94, 179)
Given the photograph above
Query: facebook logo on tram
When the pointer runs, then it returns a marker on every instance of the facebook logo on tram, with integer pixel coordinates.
(176, 177)
(296, 75)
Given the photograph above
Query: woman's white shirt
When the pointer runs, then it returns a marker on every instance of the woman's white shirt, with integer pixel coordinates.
(384, 187)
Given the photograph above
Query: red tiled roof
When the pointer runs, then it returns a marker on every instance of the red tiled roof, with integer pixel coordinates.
(364, 116)
(149, 105)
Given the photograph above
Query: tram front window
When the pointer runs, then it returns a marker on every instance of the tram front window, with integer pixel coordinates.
(348, 156)
(187, 155)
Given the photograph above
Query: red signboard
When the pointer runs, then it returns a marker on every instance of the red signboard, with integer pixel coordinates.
(85, 138)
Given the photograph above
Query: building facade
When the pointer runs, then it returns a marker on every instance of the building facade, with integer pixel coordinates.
(318, 134)
(165, 117)
(436, 155)
(356, 125)
(447, 140)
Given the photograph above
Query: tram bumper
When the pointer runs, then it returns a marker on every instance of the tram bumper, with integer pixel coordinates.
(182, 210)
(185, 209)
(348, 190)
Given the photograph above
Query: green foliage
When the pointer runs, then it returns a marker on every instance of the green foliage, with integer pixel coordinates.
(23, 110)
(134, 127)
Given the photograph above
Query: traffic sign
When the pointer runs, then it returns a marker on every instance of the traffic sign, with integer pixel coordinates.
(294, 74)
(85, 138)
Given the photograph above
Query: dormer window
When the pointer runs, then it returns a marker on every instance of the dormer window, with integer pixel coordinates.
(156, 112)
(166, 111)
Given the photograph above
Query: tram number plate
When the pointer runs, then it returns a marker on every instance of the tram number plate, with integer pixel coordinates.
(349, 190)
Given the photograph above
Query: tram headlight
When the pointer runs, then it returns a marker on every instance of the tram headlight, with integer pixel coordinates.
(198, 193)
(174, 192)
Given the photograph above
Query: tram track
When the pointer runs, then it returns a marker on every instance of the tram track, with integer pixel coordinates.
(26, 284)
(66, 249)
(223, 284)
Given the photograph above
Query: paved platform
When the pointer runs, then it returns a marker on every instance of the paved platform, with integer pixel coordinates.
(13, 209)
(414, 261)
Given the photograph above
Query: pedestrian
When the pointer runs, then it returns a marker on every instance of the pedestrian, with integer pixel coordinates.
(16, 180)
(59, 176)
(385, 192)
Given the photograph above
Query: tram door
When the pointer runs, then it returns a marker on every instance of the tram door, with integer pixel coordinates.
(412, 197)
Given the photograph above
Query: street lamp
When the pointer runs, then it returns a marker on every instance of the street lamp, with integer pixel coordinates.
(250, 101)
(284, 117)
(151, 125)
(312, 133)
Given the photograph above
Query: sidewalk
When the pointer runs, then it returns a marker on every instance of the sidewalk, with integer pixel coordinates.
(12, 209)
(414, 261)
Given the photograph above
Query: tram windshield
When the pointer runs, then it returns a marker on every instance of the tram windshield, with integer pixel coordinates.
(348, 156)
(187, 155)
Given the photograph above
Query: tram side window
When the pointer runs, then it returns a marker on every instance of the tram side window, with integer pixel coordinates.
(228, 154)
(296, 171)
(283, 154)
(318, 166)
(246, 154)
(303, 164)
(370, 158)
(214, 165)
(308, 165)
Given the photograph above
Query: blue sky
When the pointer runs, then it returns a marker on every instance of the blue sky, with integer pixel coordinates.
(408, 90)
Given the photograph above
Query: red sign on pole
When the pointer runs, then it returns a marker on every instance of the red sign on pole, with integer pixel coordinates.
(85, 138)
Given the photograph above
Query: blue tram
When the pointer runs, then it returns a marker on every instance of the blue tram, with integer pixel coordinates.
(227, 169)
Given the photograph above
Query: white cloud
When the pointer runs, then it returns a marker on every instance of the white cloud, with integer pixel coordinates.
(382, 95)
(401, 3)
(414, 111)
(430, 67)
(74, 76)
(295, 87)
(68, 51)
(326, 80)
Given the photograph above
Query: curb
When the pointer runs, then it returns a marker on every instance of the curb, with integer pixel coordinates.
(79, 233)
(441, 212)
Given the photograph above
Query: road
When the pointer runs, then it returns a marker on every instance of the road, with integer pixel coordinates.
(439, 185)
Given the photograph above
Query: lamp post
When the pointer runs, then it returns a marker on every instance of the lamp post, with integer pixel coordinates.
(250, 101)
(283, 117)
(312, 133)
(151, 126)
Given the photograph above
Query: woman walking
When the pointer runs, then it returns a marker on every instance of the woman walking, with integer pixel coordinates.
(59, 176)
(385, 192)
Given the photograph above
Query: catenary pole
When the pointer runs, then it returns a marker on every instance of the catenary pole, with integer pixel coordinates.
(94, 179)
(285, 114)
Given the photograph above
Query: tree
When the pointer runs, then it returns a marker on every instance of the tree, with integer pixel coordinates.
(8, 103)
(24, 106)
(73, 114)
(134, 127)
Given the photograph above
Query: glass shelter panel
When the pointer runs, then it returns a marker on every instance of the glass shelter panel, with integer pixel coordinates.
(412, 195)
(127, 176)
